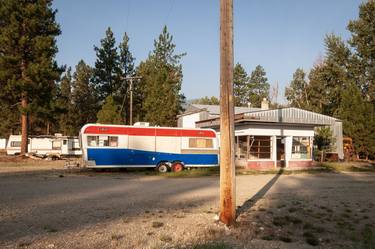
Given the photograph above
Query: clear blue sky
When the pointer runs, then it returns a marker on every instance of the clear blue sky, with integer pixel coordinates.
(280, 35)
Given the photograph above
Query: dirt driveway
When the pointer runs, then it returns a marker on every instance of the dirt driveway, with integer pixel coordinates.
(53, 209)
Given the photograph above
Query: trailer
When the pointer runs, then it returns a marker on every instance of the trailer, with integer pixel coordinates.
(162, 148)
(46, 145)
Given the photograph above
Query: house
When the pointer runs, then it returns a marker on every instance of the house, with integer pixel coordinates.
(268, 138)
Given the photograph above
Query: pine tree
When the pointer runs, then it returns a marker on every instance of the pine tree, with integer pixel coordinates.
(161, 82)
(83, 96)
(110, 113)
(206, 101)
(257, 87)
(328, 78)
(297, 92)
(363, 42)
(28, 70)
(65, 105)
(358, 120)
(107, 71)
(240, 84)
(127, 69)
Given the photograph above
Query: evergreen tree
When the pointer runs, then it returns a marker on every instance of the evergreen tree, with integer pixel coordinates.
(358, 120)
(161, 82)
(28, 70)
(65, 105)
(328, 78)
(110, 113)
(363, 42)
(127, 69)
(107, 71)
(296, 93)
(206, 101)
(240, 84)
(257, 87)
(83, 96)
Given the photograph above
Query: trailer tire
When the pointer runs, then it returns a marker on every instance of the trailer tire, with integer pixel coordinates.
(177, 167)
(162, 167)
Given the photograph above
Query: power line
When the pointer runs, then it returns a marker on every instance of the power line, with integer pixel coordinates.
(169, 12)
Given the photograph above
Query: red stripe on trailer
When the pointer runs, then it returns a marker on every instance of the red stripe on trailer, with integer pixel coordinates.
(138, 131)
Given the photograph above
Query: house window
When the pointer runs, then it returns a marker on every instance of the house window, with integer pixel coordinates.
(242, 147)
(200, 143)
(301, 148)
(260, 147)
(15, 144)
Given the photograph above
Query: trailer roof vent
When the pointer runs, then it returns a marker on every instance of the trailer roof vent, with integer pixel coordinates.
(142, 124)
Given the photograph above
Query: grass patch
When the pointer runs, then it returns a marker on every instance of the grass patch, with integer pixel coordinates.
(165, 238)
(209, 245)
(285, 239)
(349, 166)
(157, 224)
(200, 172)
(268, 237)
(286, 220)
(117, 236)
(50, 229)
(310, 238)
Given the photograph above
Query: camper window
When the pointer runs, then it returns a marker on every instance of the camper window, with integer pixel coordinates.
(200, 143)
(56, 145)
(92, 140)
(102, 141)
(113, 141)
(15, 144)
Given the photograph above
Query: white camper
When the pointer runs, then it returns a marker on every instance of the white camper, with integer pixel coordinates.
(46, 145)
(3, 143)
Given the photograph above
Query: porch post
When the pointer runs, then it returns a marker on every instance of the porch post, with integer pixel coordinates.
(274, 150)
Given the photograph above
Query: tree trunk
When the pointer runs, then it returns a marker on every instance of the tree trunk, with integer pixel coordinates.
(24, 125)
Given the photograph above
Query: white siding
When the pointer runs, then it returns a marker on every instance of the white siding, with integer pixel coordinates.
(168, 144)
(3, 143)
(146, 143)
(188, 121)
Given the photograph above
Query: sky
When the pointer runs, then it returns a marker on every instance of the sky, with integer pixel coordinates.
(280, 35)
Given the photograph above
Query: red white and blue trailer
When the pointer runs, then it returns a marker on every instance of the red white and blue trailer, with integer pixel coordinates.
(163, 148)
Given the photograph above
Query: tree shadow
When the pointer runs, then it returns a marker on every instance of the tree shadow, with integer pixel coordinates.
(252, 201)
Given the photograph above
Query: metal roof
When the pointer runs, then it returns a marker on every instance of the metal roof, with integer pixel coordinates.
(215, 109)
(288, 115)
(291, 115)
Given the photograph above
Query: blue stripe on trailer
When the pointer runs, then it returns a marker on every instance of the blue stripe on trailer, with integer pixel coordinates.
(141, 157)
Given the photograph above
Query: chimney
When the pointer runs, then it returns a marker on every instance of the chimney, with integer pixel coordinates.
(264, 105)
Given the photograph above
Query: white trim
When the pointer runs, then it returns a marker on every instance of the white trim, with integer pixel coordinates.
(149, 166)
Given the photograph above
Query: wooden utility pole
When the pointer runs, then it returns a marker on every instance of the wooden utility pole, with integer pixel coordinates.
(227, 168)
(131, 78)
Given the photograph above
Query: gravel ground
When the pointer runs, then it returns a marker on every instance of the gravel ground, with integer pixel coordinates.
(60, 209)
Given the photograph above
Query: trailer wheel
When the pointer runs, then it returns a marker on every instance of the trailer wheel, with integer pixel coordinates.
(162, 168)
(177, 167)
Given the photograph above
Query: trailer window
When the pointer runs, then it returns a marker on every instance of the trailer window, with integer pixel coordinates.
(113, 141)
(200, 143)
(15, 144)
(92, 140)
(56, 145)
(102, 141)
